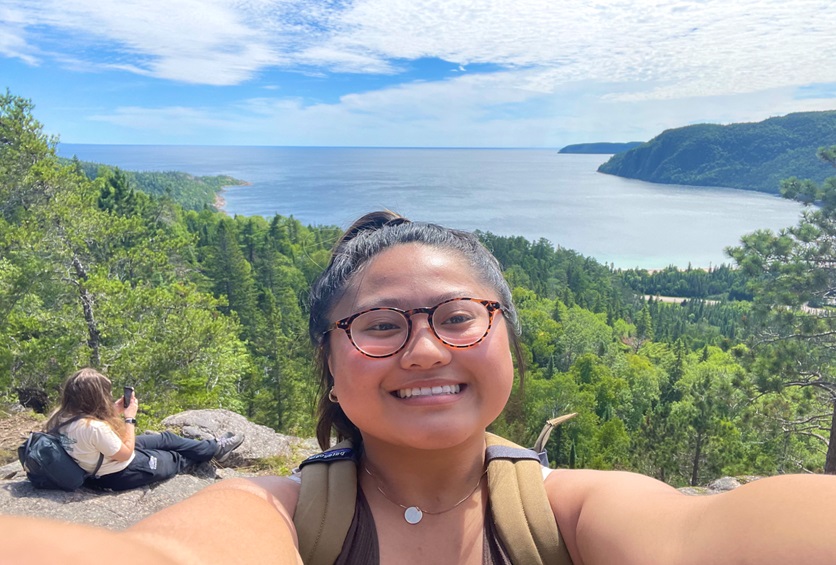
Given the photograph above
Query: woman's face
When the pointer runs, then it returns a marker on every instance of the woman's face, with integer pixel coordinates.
(413, 276)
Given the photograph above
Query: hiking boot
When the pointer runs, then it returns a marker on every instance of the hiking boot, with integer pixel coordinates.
(227, 443)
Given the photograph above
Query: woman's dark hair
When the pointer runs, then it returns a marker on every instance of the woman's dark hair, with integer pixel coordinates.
(373, 233)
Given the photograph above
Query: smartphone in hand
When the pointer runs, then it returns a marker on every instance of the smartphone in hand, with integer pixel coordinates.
(129, 393)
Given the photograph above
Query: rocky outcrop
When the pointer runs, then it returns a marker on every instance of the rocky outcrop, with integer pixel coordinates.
(722, 484)
(118, 510)
(261, 441)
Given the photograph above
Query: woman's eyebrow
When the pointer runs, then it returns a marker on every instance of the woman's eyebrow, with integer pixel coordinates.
(408, 304)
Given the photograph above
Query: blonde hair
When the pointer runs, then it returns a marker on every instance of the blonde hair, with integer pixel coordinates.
(87, 393)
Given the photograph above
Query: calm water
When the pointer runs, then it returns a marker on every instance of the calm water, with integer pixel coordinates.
(533, 193)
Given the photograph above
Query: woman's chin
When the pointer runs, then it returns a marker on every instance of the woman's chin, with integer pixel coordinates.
(434, 435)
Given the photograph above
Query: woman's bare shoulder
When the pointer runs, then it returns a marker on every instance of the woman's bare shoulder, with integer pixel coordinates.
(571, 491)
(592, 505)
(580, 482)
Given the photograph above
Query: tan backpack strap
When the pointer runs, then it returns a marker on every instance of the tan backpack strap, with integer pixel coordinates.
(326, 503)
(521, 511)
(540, 444)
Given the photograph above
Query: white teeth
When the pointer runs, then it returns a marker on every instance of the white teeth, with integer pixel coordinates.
(428, 391)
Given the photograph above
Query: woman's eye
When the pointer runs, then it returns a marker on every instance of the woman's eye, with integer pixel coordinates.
(382, 327)
(378, 324)
(457, 318)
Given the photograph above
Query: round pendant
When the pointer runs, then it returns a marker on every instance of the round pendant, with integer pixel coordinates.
(413, 515)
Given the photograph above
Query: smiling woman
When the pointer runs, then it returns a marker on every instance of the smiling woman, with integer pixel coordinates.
(414, 325)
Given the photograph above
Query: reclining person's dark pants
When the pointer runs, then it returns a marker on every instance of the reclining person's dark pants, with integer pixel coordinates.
(157, 457)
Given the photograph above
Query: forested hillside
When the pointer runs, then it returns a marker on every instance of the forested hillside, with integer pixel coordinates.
(603, 148)
(197, 309)
(751, 156)
(721, 282)
(191, 192)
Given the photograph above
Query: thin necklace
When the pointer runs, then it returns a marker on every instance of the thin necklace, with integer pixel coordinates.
(414, 514)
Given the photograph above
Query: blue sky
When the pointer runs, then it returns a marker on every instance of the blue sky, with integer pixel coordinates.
(487, 73)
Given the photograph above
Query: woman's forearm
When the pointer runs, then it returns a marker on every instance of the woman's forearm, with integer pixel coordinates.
(37, 541)
(614, 517)
(130, 436)
(783, 519)
(217, 526)
(222, 526)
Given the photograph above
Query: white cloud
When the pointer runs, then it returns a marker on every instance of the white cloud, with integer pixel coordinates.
(13, 42)
(677, 47)
(710, 47)
(207, 42)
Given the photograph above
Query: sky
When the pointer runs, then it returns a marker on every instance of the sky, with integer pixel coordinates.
(411, 73)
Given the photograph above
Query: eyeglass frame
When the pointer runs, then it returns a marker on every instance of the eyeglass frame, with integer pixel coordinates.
(492, 306)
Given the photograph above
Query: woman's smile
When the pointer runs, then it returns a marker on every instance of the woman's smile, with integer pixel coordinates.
(427, 391)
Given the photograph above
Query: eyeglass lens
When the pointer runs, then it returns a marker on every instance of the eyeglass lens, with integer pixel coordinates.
(458, 323)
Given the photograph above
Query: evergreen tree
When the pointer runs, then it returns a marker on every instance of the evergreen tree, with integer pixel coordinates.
(793, 277)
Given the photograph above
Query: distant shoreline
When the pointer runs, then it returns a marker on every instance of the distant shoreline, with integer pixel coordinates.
(220, 202)
(678, 299)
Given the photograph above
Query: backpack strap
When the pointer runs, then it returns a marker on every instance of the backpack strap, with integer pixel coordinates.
(326, 503)
(520, 506)
(65, 423)
(98, 466)
(540, 445)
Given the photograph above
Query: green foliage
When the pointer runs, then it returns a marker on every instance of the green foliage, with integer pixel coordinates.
(98, 272)
(26, 155)
(716, 282)
(793, 276)
(559, 273)
(752, 156)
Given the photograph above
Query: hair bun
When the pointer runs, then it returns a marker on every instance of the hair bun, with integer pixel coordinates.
(371, 222)
(397, 221)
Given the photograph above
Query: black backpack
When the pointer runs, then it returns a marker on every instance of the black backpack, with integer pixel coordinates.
(47, 463)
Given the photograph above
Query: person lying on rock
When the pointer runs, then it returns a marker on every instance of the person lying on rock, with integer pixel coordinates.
(130, 461)
(415, 328)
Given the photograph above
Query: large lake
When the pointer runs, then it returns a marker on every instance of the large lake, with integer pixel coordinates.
(535, 193)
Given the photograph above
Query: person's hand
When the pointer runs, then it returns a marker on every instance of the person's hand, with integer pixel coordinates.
(131, 410)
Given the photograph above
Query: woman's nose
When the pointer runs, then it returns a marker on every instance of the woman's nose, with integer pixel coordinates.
(423, 349)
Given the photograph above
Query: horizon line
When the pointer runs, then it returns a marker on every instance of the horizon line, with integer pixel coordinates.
(543, 147)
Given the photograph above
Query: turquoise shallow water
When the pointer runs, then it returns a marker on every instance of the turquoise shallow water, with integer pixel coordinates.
(535, 193)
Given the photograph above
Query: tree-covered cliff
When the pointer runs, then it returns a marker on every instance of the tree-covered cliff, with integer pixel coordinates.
(752, 156)
(601, 148)
(189, 191)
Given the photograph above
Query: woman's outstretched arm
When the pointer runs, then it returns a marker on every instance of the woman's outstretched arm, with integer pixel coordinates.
(614, 517)
(235, 521)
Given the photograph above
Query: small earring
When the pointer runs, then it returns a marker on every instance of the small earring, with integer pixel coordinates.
(332, 397)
